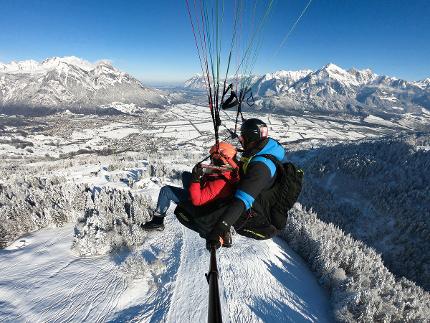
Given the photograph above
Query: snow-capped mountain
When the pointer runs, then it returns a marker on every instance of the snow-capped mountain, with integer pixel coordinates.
(71, 82)
(275, 83)
(197, 82)
(424, 84)
(333, 89)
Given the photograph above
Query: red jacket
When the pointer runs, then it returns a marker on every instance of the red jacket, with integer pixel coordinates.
(211, 187)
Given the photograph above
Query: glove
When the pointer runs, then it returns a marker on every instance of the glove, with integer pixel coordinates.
(196, 173)
(235, 175)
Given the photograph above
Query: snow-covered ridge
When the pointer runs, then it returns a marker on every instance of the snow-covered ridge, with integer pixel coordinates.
(334, 89)
(71, 82)
(196, 82)
(352, 77)
(423, 83)
(329, 71)
(32, 66)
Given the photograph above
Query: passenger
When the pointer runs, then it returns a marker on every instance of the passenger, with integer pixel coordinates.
(199, 187)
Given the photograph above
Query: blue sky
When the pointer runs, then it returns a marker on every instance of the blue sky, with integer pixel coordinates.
(153, 40)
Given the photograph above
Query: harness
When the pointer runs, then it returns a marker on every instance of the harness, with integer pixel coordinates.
(247, 160)
(251, 213)
(269, 211)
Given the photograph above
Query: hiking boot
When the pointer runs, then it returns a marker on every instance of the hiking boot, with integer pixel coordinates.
(227, 239)
(157, 223)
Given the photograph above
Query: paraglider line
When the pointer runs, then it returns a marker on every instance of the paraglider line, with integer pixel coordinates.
(293, 27)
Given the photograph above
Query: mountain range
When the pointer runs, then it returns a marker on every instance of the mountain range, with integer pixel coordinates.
(333, 89)
(71, 82)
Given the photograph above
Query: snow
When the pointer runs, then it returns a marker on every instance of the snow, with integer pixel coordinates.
(113, 130)
(267, 268)
(70, 82)
(335, 72)
(32, 66)
(377, 120)
(197, 81)
(363, 76)
(424, 148)
(391, 98)
(291, 75)
(163, 280)
(425, 111)
(42, 279)
(186, 124)
(423, 84)
(118, 133)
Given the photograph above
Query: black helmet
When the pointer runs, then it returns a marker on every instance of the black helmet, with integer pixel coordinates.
(253, 130)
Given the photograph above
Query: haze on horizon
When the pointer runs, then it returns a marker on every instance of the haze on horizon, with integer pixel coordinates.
(153, 41)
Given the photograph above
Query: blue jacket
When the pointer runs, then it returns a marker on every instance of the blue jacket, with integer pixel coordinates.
(257, 174)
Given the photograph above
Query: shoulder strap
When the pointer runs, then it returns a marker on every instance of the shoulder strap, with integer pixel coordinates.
(273, 159)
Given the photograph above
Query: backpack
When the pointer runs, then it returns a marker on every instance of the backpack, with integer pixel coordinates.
(280, 198)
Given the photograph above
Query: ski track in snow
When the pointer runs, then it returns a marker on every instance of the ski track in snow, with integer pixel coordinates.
(260, 281)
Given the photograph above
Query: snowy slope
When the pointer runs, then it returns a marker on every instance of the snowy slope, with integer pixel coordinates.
(42, 281)
(163, 280)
